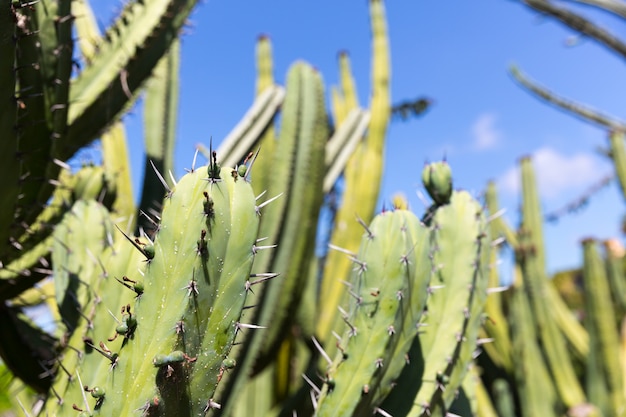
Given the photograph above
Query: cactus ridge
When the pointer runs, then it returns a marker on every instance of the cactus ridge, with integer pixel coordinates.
(382, 304)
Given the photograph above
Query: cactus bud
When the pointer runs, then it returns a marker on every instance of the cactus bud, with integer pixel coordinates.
(437, 179)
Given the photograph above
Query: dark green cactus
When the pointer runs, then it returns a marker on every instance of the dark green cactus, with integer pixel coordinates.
(55, 121)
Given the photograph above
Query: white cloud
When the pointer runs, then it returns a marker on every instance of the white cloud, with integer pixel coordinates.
(485, 133)
(556, 172)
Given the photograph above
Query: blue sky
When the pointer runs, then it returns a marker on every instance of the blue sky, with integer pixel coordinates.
(457, 54)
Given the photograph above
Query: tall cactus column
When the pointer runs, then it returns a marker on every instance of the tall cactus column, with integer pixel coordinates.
(183, 323)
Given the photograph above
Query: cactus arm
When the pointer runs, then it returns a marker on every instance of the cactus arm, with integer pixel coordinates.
(114, 150)
(342, 145)
(604, 336)
(574, 332)
(362, 174)
(459, 265)
(160, 113)
(297, 174)
(83, 233)
(9, 164)
(536, 287)
(503, 398)
(63, 69)
(413, 316)
(146, 29)
(190, 278)
(116, 164)
(536, 391)
(56, 24)
(226, 311)
(617, 279)
(23, 151)
(86, 28)
(579, 24)
(578, 110)
(26, 349)
(299, 225)
(497, 224)
(613, 6)
(267, 143)
(389, 294)
(618, 154)
(42, 73)
(337, 105)
(245, 135)
(348, 86)
(484, 404)
(496, 325)
(22, 272)
(622, 350)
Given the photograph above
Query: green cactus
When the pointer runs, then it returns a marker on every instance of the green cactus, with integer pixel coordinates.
(532, 260)
(388, 293)
(176, 334)
(605, 368)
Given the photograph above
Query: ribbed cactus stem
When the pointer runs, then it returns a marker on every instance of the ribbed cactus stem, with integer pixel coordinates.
(388, 294)
(603, 335)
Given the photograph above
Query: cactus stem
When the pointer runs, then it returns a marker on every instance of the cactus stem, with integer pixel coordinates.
(160, 177)
(321, 350)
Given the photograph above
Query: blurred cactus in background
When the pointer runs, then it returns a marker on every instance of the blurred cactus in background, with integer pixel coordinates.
(209, 299)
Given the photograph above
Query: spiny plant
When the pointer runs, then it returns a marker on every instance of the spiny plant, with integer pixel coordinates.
(216, 304)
